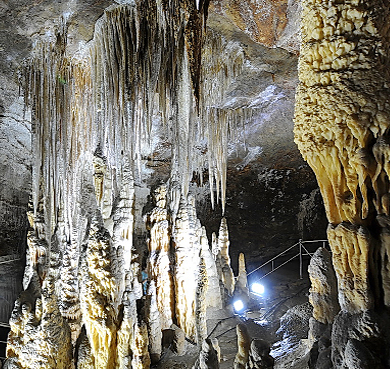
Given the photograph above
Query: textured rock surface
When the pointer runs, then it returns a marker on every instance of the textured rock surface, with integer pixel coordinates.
(323, 292)
(341, 128)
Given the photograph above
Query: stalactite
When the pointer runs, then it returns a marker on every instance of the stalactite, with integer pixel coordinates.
(222, 121)
(92, 117)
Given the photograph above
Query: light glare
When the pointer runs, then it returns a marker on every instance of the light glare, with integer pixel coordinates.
(238, 305)
(257, 288)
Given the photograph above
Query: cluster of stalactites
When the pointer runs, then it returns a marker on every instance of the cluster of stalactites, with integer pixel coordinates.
(219, 122)
(146, 70)
(143, 69)
(143, 66)
(342, 119)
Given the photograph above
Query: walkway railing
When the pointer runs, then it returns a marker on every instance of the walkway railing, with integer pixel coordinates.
(302, 251)
(3, 344)
(9, 258)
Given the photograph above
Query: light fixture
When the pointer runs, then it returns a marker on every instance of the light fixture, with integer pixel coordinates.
(238, 305)
(257, 288)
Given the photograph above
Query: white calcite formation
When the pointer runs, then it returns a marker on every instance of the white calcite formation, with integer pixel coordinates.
(342, 121)
(184, 275)
(220, 250)
(241, 283)
(94, 297)
(160, 268)
(92, 115)
(187, 235)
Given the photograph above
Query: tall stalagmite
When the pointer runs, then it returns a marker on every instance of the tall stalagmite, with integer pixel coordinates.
(342, 125)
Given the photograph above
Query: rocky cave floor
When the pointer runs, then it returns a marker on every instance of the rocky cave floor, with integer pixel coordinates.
(280, 317)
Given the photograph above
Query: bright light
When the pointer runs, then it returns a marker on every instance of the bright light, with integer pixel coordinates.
(238, 305)
(257, 288)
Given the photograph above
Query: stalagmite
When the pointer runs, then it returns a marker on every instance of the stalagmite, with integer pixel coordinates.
(187, 240)
(213, 293)
(323, 292)
(159, 268)
(154, 325)
(99, 290)
(241, 284)
(342, 120)
(40, 336)
(243, 344)
(221, 252)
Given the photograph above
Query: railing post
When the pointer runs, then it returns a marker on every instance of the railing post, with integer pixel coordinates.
(300, 259)
(272, 265)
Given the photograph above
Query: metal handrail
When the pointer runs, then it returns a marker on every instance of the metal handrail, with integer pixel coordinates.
(9, 260)
(300, 243)
(275, 257)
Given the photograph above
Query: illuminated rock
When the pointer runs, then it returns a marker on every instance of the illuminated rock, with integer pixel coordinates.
(187, 234)
(159, 269)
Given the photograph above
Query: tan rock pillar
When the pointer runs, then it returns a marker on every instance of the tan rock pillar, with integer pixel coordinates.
(342, 122)
(341, 128)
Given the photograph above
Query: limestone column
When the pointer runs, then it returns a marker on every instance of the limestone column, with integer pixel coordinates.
(342, 129)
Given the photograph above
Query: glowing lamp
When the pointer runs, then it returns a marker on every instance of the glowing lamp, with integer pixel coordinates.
(257, 288)
(238, 305)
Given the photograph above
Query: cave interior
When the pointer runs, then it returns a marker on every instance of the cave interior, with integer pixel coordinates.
(194, 184)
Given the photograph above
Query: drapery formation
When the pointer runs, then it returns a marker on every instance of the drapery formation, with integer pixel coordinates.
(342, 124)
